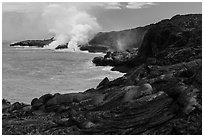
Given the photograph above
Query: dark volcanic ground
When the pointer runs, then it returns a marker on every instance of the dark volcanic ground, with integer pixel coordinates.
(161, 92)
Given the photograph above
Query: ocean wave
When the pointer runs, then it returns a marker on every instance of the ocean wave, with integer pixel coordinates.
(107, 68)
(70, 91)
(97, 78)
(18, 46)
(101, 77)
(64, 50)
(89, 64)
(26, 47)
(71, 50)
(57, 50)
(99, 53)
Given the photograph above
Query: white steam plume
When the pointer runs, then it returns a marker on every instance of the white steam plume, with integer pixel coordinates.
(69, 25)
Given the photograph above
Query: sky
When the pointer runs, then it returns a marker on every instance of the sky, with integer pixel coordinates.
(21, 21)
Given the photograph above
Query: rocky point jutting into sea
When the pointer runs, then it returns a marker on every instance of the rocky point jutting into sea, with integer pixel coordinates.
(161, 92)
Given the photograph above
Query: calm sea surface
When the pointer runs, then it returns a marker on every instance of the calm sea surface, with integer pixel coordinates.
(31, 72)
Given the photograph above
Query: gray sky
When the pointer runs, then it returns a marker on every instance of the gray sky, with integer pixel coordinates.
(26, 21)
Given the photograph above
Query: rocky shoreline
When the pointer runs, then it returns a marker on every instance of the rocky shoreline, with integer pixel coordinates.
(35, 43)
(161, 92)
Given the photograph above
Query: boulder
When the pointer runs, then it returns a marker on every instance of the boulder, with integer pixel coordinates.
(100, 61)
(108, 55)
(45, 97)
(65, 99)
(59, 99)
(64, 46)
(36, 103)
(33, 101)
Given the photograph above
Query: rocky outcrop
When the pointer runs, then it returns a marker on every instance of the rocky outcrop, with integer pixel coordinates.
(117, 59)
(35, 43)
(161, 93)
(103, 83)
(39, 43)
(149, 100)
(174, 31)
(167, 42)
(94, 48)
(117, 40)
(180, 31)
(63, 46)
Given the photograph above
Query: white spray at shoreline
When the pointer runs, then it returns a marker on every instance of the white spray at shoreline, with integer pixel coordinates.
(69, 25)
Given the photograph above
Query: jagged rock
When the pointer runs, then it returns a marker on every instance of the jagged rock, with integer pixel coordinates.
(89, 90)
(14, 107)
(103, 83)
(115, 58)
(5, 102)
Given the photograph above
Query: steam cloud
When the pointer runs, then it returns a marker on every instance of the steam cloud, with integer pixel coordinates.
(69, 25)
(130, 39)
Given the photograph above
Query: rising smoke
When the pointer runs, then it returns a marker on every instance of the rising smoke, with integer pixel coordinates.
(69, 25)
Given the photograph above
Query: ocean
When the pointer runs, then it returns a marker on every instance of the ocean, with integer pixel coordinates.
(28, 73)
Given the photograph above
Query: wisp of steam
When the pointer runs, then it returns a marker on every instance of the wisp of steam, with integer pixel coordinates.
(69, 25)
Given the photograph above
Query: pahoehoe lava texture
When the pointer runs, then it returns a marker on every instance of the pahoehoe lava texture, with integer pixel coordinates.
(161, 92)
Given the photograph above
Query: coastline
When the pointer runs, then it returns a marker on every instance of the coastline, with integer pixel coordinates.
(160, 94)
(24, 73)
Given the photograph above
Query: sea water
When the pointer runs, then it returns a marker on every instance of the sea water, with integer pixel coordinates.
(28, 73)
